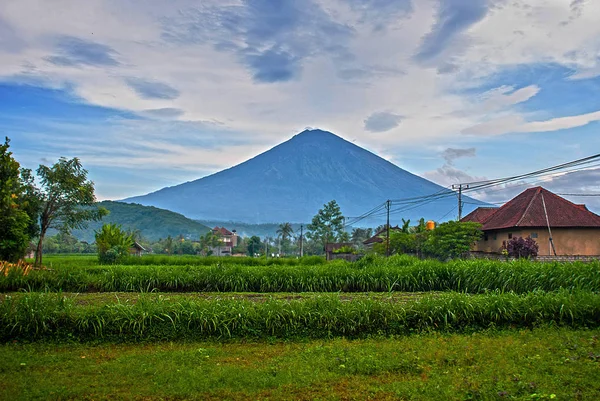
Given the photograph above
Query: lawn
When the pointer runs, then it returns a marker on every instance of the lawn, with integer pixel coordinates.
(561, 364)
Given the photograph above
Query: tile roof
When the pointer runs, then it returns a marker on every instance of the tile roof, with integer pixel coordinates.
(377, 237)
(527, 210)
(480, 215)
(221, 230)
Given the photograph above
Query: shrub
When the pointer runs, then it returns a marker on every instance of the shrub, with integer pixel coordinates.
(113, 244)
(519, 247)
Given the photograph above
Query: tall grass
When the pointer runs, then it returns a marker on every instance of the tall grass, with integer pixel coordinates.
(38, 316)
(378, 275)
(190, 260)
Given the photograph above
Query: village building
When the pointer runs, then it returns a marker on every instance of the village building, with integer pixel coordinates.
(137, 250)
(227, 241)
(378, 238)
(541, 215)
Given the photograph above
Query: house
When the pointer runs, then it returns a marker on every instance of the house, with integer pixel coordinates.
(136, 249)
(378, 238)
(537, 213)
(227, 239)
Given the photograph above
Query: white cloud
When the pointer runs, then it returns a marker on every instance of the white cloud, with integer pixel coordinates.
(379, 72)
(516, 124)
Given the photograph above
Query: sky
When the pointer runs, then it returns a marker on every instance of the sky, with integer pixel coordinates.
(151, 93)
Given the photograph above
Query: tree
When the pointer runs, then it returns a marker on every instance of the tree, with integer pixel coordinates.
(284, 231)
(359, 235)
(254, 245)
(452, 239)
(66, 199)
(327, 225)
(519, 247)
(209, 241)
(15, 221)
(113, 243)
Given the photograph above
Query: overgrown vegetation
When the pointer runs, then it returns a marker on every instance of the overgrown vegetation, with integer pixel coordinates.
(372, 274)
(113, 244)
(53, 316)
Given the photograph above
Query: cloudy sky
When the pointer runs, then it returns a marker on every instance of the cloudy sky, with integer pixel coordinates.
(150, 93)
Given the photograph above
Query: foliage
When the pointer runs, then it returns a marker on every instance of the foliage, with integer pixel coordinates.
(452, 239)
(14, 219)
(37, 316)
(308, 274)
(327, 225)
(66, 199)
(346, 249)
(207, 242)
(66, 243)
(149, 222)
(254, 246)
(359, 235)
(113, 244)
(519, 247)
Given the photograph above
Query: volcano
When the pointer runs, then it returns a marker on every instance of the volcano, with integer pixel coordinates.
(292, 181)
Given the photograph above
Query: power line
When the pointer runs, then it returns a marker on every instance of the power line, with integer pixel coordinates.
(410, 203)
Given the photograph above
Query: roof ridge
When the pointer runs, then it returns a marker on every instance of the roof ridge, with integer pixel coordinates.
(528, 206)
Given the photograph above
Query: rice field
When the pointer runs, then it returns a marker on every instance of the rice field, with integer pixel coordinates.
(397, 328)
(404, 274)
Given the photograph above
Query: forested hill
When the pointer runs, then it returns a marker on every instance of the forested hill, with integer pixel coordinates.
(153, 223)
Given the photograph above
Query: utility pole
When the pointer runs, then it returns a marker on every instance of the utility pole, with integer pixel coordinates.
(460, 202)
(301, 241)
(387, 240)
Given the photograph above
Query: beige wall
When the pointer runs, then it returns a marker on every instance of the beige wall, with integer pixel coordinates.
(567, 241)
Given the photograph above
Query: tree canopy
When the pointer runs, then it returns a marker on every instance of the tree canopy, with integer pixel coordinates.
(66, 199)
(15, 221)
(327, 225)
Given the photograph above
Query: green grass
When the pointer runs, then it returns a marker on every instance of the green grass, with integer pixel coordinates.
(548, 364)
(401, 273)
(55, 317)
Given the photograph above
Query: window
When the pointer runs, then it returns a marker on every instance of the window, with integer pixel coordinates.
(485, 237)
(495, 237)
(509, 235)
(534, 235)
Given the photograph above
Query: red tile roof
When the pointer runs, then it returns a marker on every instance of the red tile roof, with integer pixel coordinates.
(480, 215)
(527, 210)
(222, 231)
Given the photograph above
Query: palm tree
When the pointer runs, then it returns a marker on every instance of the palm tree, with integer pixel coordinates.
(285, 231)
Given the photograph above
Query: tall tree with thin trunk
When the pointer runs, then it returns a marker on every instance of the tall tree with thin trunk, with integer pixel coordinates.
(66, 199)
(285, 231)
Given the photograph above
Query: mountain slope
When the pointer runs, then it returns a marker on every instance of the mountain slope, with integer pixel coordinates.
(153, 223)
(292, 181)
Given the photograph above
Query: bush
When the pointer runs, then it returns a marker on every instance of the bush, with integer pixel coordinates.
(519, 247)
(113, 244)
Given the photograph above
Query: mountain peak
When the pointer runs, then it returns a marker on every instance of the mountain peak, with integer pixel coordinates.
(290, 182)
(315, 135)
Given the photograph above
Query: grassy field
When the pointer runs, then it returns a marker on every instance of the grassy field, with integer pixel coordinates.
(236, 329)
(397, 273)
(556, 364)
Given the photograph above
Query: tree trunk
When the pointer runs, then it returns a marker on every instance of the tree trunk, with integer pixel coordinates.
(38, 251)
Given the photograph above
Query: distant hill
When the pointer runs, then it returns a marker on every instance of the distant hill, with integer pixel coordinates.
(292, 181)
(153, 223)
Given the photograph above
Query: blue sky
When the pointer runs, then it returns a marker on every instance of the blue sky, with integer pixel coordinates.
(152, 93)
